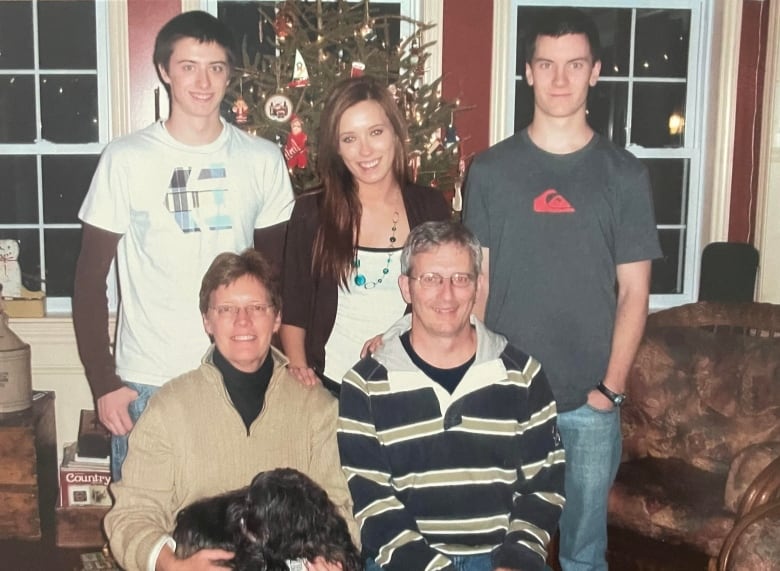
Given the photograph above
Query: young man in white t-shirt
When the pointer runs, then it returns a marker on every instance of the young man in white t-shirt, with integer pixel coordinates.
(164, 201)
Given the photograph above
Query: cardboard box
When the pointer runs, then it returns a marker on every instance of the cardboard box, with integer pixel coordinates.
(31, 304)
(80, 526)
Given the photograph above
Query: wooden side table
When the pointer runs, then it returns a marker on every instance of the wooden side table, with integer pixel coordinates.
(28, 469)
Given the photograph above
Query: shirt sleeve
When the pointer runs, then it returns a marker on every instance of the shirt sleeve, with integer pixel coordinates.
(90, 309)
(636, 234)
(388, 532)
(325, 463)
(539, 498)
(107, 204)
(277, 199)
(475, 211)
(143, 514)
(297, 280)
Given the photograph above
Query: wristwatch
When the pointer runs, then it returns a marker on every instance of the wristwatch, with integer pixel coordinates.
(616, 398)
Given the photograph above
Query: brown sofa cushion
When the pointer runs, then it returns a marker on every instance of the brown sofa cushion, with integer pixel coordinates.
(701, 396)
(670, 500)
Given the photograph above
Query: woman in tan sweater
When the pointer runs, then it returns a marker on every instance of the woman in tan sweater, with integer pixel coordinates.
(212, 429)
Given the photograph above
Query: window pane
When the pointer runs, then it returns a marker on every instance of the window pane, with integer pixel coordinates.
(29, 255)
(18, 195)
(79, 51)
(669, 179)
(69, 108)
(16, 35)
(614, 28)
(607, 110)
(65, 183)
(662, 38)
(62, 249)
(668, 271)
(17, 109)
(655, 107)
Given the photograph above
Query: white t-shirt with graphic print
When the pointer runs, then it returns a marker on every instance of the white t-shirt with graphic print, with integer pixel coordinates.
(177, 207)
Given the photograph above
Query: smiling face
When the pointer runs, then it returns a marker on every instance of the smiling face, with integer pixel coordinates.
(441, 311)
(561, 72)
(243, 339)
(367, 143)
(198, 74)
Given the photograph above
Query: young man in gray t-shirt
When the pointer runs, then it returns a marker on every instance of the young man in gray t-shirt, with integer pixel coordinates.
(566, 222)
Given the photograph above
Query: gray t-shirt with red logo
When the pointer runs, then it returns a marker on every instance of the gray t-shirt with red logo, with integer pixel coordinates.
(557, 226)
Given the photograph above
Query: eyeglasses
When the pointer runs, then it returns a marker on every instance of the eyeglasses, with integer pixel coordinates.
(431, 279)
(252, 310)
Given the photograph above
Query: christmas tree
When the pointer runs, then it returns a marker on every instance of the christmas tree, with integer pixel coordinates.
(308, 47)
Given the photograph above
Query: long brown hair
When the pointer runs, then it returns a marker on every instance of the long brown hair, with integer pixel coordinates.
(339, 203)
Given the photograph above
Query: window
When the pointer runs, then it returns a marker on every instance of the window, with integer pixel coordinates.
(649, 100)
(53, 126)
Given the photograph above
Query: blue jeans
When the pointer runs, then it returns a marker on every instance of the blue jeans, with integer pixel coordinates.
(593, 446)
(461, 563)
(119, 443)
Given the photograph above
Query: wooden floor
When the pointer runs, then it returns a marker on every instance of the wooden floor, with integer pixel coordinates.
(627, 552)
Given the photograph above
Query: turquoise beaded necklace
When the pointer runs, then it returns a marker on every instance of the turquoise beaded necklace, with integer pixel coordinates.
(360, 279)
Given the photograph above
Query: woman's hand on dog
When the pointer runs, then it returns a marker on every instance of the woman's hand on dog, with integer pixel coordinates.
(203, 560)
(320, 564)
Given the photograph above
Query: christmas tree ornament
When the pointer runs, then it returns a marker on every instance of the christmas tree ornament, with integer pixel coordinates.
(358, 68)
(300, 76)
(366, 30)
(278, 108)
(296, 153)
(451, 138)
(240, 108)
(240, 111)
(415, 159)
(284, 24)
(457, 198)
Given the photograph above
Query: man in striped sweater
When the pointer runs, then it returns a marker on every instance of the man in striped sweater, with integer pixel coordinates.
(447, 434)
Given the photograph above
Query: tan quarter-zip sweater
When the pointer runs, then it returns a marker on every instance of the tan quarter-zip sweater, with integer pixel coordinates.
(191, 443)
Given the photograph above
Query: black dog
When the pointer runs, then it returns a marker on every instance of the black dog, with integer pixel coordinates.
(283, 516)
(206, 524)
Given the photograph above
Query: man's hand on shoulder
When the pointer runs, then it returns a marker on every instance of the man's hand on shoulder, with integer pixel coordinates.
(203, 560)
(112, 410)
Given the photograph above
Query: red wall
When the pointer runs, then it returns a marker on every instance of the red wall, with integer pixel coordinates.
(145, 18)
(466, 59)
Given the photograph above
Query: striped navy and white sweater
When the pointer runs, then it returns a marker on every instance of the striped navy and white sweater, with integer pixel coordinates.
(435, 475)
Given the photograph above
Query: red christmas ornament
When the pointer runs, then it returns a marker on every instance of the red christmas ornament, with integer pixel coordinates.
(284, 23)
(241, 111)
(296, 153)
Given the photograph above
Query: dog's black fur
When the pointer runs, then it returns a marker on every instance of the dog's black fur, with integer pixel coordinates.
(283, 515)
(205, 524)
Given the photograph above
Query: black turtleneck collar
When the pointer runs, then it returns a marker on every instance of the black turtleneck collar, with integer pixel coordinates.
(246, 390)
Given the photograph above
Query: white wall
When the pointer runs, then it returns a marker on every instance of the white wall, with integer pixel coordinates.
(768, 208)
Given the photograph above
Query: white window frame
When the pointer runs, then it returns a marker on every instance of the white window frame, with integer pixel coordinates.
(41, 147)
(698, 97)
